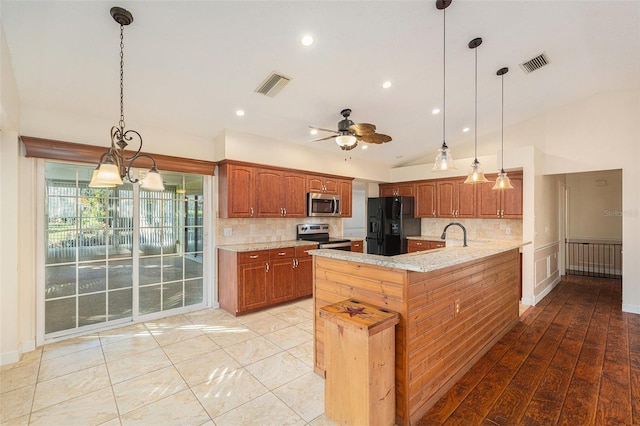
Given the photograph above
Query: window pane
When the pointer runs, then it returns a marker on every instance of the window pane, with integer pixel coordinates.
(150, 241)
(120, 274)
(171, 240)
(92, 213)
(120, 243)
(60, 315)
(59, 281)
(172, 268)
(149, 299)
(61, 246)
(193, 238)
(149, 270)
(92, 309)
(192, 267)
(92, 277)
(193, 292)
(120, 302)
(91, 245)
(172, 296)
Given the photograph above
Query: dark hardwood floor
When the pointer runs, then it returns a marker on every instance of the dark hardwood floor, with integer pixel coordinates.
(574, 359)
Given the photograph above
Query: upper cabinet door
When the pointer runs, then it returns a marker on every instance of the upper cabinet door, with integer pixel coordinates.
(346, 196)
(445, 190)
(426, 199)
(512, 198)
(237, 188)
(488, 200)
(466, 199)
(268, 189)
(294, 194)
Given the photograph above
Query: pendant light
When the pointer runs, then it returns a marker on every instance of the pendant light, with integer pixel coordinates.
(502, 181)
(114, 165)
(444, 158)
(476, 175)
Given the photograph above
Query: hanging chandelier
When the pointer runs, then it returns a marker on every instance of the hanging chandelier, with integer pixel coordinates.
(114, 165)
(502, 181)
(444, 158)
(476, 174)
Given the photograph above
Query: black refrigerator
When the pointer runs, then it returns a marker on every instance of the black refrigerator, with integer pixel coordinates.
(390, 221)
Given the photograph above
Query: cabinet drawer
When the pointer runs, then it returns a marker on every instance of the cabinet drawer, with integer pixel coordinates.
(303, 251)
(356, 246)
(282, 253)
(253, 256)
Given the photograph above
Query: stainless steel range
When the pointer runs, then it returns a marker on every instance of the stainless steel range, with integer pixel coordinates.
(319, 233)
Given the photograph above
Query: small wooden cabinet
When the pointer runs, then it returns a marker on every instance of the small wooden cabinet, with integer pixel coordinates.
(426, 201)
(318, 183)
(407, 189)
(249, 281)
(422, 245)
(455, 198)
(236, 190)
(346, 188)
(357, 246)
(505, 203)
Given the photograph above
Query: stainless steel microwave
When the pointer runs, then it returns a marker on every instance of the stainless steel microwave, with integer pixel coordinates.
(319, 204)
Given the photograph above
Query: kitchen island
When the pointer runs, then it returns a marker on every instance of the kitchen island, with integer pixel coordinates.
(454, 304)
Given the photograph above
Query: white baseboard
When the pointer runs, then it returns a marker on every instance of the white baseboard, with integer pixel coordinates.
(10, 357)
(632, 309)
(28, 346)
(539, 297)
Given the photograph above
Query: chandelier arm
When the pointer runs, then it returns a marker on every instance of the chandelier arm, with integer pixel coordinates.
(133, 159)
(128, 138)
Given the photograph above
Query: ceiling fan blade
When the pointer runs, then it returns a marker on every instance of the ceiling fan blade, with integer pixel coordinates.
(324, 130)
(362, 128)
(376, 138)
(322, 139)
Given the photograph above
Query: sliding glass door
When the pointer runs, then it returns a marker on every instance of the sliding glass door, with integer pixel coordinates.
(114, 255)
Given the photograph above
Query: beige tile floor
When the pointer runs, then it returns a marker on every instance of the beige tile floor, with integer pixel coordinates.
(201, 368)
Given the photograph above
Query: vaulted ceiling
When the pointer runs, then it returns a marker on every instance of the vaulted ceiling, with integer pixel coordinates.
(189, 65)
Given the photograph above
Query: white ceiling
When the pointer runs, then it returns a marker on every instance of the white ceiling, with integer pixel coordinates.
(189, 65)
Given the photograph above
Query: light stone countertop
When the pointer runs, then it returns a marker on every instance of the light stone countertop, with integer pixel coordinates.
(426, 261)
(275, 245)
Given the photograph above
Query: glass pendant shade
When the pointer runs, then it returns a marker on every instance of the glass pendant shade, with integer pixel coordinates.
(95, 183)
(502, 181)
(152, 181)
(106, 175)
(346, 140)
(476, 175)
(444, 159)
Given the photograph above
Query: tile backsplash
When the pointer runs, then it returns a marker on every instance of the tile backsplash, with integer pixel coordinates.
(245, 231)
(477, 229)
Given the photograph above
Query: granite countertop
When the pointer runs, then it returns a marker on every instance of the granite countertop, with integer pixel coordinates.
(426, 238)
(426, 261)
(266, 246)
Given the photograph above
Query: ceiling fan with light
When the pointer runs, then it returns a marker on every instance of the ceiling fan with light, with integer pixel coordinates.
(349, 133)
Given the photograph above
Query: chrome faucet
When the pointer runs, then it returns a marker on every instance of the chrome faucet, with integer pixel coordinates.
(464, 232)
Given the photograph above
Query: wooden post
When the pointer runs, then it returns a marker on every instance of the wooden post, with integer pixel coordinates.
(359, 363)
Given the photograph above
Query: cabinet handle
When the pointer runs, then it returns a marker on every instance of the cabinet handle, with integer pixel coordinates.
(418, 244)
(282, 253)
(293, 263)
(254, 256)
(498, 213)
(284, 210)
(266, 266)
(434, 213)
(251, 211)
(501, 213)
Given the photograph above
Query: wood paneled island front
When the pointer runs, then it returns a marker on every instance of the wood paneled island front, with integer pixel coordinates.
(454, 304)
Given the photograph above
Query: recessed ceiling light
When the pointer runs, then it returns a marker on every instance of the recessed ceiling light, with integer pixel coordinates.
(307, 40)
(435, 111)
(364, 147)
(386, 84)
(240, 113)
(466, 129)
(314, 131)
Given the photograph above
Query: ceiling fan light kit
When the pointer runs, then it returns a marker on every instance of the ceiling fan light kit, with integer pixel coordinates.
(444, 158)
(476, 174)
(114, 165)
(349, 133)
(502, 181)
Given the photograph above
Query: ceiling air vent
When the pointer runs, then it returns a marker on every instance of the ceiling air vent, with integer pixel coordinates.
(535, 63)
(273, 84)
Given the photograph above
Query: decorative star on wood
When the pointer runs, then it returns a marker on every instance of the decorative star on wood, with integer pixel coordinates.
(353, 311)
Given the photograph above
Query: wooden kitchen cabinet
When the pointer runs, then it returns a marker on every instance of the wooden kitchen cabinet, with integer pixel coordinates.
(346, 190)
(425, 202)
(318, 183)
(303, 271)
(422, 245)
(455, 198)
(250, 281)
(236, 190)
(279, 193)
(506, 203)
(407, 189)
(357, 246)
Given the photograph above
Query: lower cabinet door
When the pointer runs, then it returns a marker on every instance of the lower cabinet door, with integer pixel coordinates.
(281, 284)
(303, 276)
(252, 286)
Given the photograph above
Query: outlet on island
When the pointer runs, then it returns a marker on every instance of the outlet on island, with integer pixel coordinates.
(228, 232)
